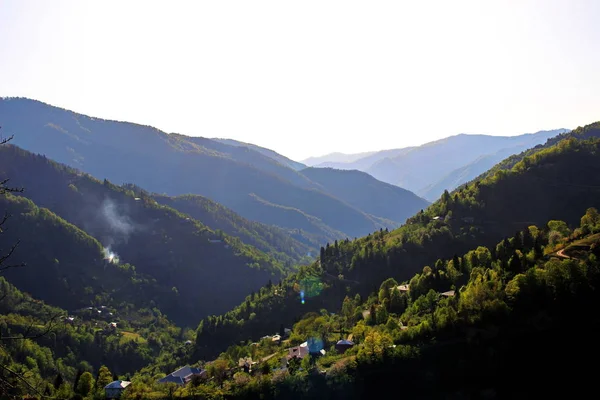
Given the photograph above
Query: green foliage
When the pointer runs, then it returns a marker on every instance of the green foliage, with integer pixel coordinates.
(169, 249)
(277, 242)
(85, 384)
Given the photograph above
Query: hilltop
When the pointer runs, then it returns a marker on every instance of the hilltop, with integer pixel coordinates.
(183, 257)
(259, 187)
(558, 182)
(429, 169)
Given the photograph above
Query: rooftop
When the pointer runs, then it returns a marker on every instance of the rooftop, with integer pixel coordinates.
(117, 385)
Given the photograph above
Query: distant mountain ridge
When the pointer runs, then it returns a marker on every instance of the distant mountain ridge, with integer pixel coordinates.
(264, 151)
(240, 177)
(374, 199)
(444, 164)
(335, 158)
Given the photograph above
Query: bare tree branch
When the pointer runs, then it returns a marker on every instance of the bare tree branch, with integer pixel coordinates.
(6, 140)
(22, 379)
(6, 256)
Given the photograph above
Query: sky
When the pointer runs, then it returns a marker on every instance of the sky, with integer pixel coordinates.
(312, 77)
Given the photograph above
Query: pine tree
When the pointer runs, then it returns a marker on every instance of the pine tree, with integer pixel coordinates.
(79, 372)
(58, 380)
(372, 315)
(514, 265)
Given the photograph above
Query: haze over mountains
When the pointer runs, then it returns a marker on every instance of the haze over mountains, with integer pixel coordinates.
(430, 169)
(139, 265)
(264, 188)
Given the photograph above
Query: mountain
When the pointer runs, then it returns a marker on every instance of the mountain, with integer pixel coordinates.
(555, 182)
(468, 172)
(264, 151)
(430, 169)
(375, 197)
(253, 185)
(364, 162)
(487, 316)
(65, 266)
(197, 271)
(46, 341)
(286, 246)
(335, 158)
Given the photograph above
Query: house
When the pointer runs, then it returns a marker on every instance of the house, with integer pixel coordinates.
(404, 288)
(276, 338)
(114, 389)
(183, 375)
(342, 345)
(313, 347)
(246, 364)
(437, 217)
(298, 351)
(449, 293)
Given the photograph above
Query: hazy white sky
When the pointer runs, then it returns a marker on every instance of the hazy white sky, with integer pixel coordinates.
(310, 77)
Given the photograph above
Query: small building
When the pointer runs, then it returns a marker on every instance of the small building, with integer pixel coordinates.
(298, 351)
(403, 288)
(315, 347)
(343, 345)
(188, 342)
(246, 364)
(183, 375)
(437, 217)
(276, 338)
(449, 293)
(287, 332)
(311, 347)
(114, 389)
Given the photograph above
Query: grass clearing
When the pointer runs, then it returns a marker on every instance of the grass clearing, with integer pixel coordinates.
(129, 336)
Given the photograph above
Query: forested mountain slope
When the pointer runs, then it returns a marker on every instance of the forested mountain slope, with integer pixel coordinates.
(429, 169)
(46, 350)
(469, 326)
(64, 265)
(240, 178)
(559, 183)
(284, 245)
(581, 133)
(199, 271)
(427, 164)
(468, 172)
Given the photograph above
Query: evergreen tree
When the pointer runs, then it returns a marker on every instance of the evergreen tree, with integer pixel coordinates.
(76, 382)
(372, 315)
(514, 265)
(85, 384)
(58, 381)
(528, 240)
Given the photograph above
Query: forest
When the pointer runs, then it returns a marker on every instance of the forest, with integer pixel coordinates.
(474, 296)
